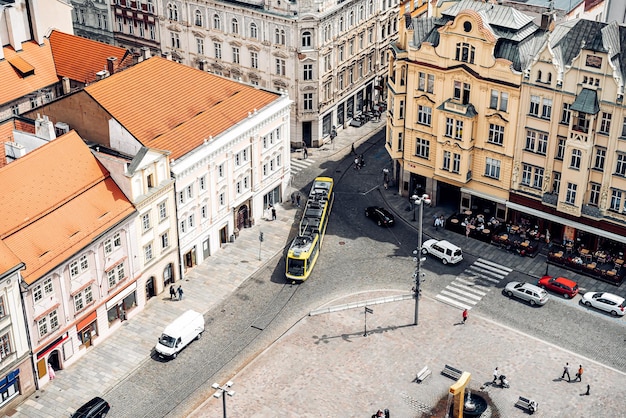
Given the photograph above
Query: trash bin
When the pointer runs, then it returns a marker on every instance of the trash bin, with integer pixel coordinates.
(232, 238)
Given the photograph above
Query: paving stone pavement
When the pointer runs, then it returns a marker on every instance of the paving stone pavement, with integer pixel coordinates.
(379, 368)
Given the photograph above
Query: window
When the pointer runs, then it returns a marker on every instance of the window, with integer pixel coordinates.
(527, 172)
(306, 39)
(204, 212)
(620, 168)
(605, 123)
(424, 115)
(600, 157)
(254, 59)
(217, 24)
(575, 161)
(446, 160)
(280, 36)
(492, 168)
(236, 55)
(145, 221)
(556, 182)
(175, 40)
(202, 183)
(79, 266)
(423, 148)
(566, 113)
(340, 52)
(183, 226)
(172, 11)
(234, 25)
(308, 101)
(538, 179)
(43, 289)
(218, 50)
(465, 52)
(560, 151)
(165, 240)
(616, 200)
(254, 30)
(222, 199)
(462, 92)
(458, 129)
(534, 105)
(117, 240)
(191, 221)
(531, 137)
(280, 66)
(341, 24)
(456, 163)
(83, 299)
(570, 197)
(162, 210)
(5, 350)
(546, 109)
(594, 194)
(496, 134)
(400, 141)
(624, 127)
(48, 323)
(308, 71)
(542, 143)
(198, 18)
(449, 126)
(401, 110)
(499, 100)
(147, 253)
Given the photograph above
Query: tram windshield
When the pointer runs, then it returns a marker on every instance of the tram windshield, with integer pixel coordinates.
(295, 267)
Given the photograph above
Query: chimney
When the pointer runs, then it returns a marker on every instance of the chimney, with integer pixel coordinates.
(202, 65)
(15, 27)
(44, 128)
(111, 65)
(13, 151)
(65, 82)
(145, 52)
(102, 74)
(168, 55)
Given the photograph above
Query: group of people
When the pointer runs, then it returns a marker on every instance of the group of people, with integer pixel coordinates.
(295, 199)
(174, 291)
(359, 162)
(579, 374)
(440, 222)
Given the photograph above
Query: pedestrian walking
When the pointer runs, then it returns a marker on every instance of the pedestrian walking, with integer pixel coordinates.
(51, 372)
(496, 374)
(566, 372)
(293, 198)
(172, 292)
(180, 293)
(356, 163)
(298, 199)
(579, 375)
(352, 151)
(273, 213)
(465, 315)
(305, 152)
(386, 177)
(588, 387)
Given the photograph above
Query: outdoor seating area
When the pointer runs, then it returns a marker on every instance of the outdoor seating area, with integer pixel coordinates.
(599, 264)
(476, 226)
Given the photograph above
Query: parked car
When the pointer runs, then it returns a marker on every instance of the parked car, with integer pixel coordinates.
(561, 285)
(95, 408)
(528, 292)
(444, 250)
(605, 301)
(380, 215)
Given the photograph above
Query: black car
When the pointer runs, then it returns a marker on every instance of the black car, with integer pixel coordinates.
(381, 215)
(95, 408)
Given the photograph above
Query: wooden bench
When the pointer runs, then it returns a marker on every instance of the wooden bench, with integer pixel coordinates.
(451, 372)
(527, 404)
(423, 374)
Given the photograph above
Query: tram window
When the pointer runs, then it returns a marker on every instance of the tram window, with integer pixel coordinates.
(296, 266)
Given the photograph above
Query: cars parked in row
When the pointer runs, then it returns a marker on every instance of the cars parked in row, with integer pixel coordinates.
(528, 292)
(607, 302)
(444, 250)
(561, 285)
(381, 216)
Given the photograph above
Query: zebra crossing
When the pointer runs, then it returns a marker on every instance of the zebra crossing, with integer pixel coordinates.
(473, 284)
(298, 164)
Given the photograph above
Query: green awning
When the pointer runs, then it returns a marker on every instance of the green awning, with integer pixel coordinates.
(586, 102)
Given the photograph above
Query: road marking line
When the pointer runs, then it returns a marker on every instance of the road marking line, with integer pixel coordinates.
(455, 296)
(476, 294)
(452, 302)
(472, 283)
(500, 266)
(500, 275)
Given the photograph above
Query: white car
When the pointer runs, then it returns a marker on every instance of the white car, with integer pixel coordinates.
(605, 301)
(446, 251)
(528, 292)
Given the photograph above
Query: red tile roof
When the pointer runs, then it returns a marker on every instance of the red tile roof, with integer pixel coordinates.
(80, 59)
(56, 200)
(170, 106)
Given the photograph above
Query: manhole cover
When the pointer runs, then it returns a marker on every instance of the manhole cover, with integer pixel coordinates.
(244, 261)
(342, 243)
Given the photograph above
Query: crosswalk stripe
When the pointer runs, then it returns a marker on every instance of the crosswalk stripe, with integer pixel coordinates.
(462, 288)
(499, 266)
(452, 302)
(498, 273)
(472, 283)
(457, 297)
(480, 276)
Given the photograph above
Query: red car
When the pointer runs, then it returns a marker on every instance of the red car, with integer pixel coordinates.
(566, 287)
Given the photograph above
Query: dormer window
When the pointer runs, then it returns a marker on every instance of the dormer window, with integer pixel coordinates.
(465, 52)
(150, 181)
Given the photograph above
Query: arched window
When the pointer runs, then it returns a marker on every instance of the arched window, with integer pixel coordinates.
(371, 7)
(217, 24)
(306, 39)
(280, 36)
(361, 13)
(351, 15)
(235, 26)
(539, 75)
(549, 78)
(254, 30)
(172, 11)
(198, 18)
(341, 24)
(327, 33)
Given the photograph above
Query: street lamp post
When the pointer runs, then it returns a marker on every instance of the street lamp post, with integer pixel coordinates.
(223, 391)
(418, 201)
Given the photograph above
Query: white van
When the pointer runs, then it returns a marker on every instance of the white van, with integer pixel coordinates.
(446, 251)
(186, 328)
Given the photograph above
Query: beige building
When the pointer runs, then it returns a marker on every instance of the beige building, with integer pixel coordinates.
(454, 92)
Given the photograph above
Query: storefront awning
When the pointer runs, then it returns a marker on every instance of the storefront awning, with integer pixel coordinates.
(483, 195)
(563, 221)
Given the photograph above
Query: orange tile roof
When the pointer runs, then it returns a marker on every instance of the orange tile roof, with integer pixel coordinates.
(80, 59)
(12, 84)
(56, 200)
(8, 260)
(6, 135)
(173, 107)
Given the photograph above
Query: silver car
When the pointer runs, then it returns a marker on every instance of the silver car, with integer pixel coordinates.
(528, 292)
(606, 301)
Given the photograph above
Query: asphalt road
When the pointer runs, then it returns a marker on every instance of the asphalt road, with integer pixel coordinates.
(357, 255)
